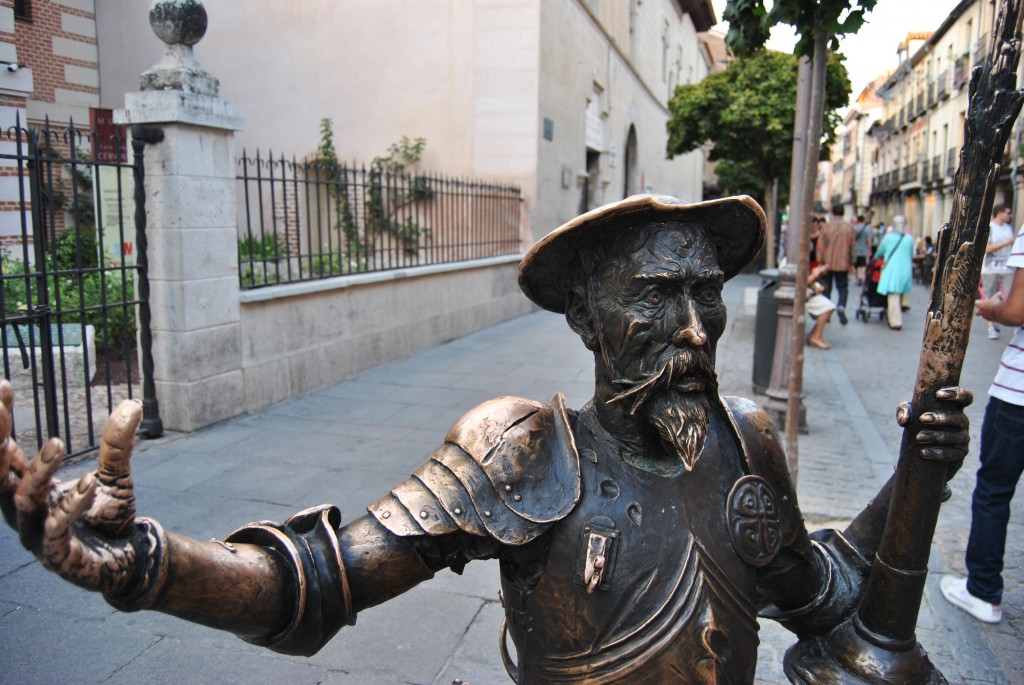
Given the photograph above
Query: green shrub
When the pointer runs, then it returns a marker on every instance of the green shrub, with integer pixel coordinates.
(263, 247)
(102, 299)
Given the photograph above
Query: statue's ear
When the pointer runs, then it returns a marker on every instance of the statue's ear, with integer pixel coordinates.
(580, 319)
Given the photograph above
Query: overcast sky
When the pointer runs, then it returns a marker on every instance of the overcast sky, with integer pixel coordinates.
(873, 49)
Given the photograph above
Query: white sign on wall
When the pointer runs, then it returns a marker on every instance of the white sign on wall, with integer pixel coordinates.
(114, 198)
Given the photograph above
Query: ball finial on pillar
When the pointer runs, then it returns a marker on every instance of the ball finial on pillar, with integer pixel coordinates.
(180, 24)
(178, 21)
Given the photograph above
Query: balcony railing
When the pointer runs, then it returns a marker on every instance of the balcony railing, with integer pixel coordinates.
(951, 162)
(980, 47)
(960, 72)
(942, 85)
(931, 94)
(936, 164)
(910, 173)
(919, 102)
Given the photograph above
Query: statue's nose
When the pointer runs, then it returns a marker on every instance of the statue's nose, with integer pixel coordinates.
(691, 332)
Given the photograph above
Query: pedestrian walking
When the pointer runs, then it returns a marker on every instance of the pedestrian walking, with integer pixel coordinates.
(861, 248)
(994, 270)
(897, 249)
(836, 251)
(1002, 459)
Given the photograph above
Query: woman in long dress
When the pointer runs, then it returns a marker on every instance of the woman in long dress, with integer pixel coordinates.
(897, 248)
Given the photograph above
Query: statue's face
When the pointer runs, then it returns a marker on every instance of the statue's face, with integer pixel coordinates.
(657, 314)
(662, 297)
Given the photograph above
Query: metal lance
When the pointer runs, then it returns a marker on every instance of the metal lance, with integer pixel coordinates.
(878, 643)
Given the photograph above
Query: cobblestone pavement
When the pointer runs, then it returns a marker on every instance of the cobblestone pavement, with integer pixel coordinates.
(349, 442)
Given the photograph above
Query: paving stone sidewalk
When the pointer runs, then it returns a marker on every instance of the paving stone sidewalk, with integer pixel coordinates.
(348, 443)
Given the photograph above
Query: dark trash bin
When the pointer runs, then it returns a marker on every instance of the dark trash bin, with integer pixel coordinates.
(765, 324)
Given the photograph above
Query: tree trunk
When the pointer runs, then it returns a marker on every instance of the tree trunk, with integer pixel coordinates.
(810, 175)
(771, 209)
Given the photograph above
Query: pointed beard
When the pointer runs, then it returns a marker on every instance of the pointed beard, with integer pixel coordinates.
(682, 422)
(680, 418)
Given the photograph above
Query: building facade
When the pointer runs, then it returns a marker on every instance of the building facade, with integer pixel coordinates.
(565, 98)
(845, 179)
(916, 143)
(48, 71)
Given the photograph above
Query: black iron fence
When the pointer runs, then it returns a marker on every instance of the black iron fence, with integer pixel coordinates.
(312, 220)
(67, 280)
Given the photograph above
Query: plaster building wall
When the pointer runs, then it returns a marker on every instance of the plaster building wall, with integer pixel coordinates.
(607, 113)
(475, 78)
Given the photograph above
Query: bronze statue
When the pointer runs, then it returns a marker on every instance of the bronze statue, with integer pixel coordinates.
(639, 537)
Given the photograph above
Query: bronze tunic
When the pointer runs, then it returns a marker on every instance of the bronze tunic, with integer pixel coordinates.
(674, 601)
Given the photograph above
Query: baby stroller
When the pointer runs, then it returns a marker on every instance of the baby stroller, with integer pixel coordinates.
(870, 301)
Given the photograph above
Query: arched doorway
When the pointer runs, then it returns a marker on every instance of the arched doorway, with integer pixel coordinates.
(630, 165)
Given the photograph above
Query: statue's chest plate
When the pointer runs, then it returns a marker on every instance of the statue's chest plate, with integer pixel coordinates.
(643, 578)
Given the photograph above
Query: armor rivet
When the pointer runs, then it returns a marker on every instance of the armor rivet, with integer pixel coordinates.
(517, 498)
(508, 488)
(458, 511)
(423, 514)
(487, 513)
(386, 515)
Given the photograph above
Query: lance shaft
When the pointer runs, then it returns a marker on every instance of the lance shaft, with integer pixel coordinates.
(878, 644)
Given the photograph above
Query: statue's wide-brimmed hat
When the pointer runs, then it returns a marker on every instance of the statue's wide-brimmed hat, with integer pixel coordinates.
(736, 226)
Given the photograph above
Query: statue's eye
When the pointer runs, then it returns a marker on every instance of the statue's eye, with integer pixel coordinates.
(653, 297)
(708, 295)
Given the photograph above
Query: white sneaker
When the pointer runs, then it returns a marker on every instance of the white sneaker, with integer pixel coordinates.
(954, 589)
(993, 334)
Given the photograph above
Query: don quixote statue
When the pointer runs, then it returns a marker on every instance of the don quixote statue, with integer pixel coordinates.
(639, 536)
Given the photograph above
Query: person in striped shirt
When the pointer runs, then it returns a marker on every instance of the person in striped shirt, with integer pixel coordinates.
(1002, 459)
(836, 249)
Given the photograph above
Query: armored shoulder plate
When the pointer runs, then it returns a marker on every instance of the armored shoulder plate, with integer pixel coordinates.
(508, 469)
(765, 458)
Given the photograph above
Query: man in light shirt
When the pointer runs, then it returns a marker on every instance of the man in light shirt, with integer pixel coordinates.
(994, 271)
(1002, 459)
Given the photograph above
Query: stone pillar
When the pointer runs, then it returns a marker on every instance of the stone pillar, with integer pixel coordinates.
(192, 214)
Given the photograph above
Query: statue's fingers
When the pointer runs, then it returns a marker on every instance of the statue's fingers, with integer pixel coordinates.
(12, 465)
(117, 442)
(961, 396)
(61, 552)
(949, 454)
(6, 409)
(30, 499)
(955, 419)
(941, 437)
(903, 413)
(7, 400)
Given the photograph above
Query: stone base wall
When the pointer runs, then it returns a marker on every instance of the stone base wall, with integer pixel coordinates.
(295, 339)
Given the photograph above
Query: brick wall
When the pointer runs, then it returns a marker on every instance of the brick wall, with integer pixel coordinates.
(59, 45)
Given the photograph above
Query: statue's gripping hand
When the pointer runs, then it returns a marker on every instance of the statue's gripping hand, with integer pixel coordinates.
(945, 434)
(84, 530)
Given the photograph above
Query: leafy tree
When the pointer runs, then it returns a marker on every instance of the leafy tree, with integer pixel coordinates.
(818, 25)
(750, 23)
(747, 112)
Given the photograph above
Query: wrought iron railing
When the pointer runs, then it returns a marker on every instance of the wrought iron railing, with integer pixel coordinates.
(302, 221)
(68, 273)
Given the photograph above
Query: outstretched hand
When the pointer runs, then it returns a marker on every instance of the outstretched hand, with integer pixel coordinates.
(81, 530)
(946, 436)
